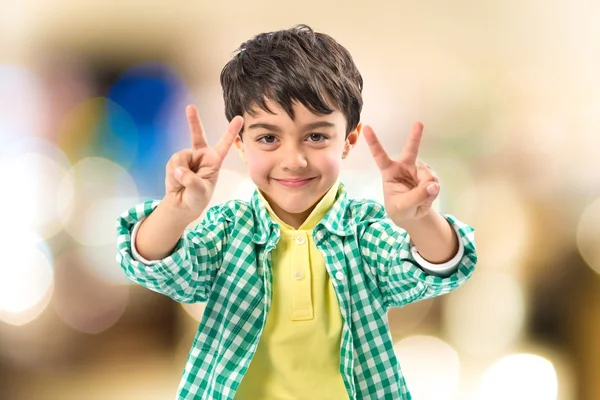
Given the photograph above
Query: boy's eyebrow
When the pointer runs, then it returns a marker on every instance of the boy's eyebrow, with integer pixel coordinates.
(319, 124)
(307, 127)
(268, 127)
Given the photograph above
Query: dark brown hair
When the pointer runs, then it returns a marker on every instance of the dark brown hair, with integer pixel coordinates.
(290, 65)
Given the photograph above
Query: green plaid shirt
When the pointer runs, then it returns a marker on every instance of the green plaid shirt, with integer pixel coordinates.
(225, 262)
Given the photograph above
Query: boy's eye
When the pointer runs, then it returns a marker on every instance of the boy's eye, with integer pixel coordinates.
(316, 137)
(267, 139)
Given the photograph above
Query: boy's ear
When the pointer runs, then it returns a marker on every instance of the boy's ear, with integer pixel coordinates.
(240, 147)
(351, 140)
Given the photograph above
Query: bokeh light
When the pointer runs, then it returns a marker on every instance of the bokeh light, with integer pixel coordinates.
(147, 91)
(99, 127)
(100, 262)
(485, 317)
(404, 320)
(153, 94)
(519, 377)
(33, 173)
(588, 235)
(22, 105)
(83, 301)
(497, 210)
(100, 191)
(430, 365)
(26, 277)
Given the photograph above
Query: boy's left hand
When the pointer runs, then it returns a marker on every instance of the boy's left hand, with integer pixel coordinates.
(409, 186)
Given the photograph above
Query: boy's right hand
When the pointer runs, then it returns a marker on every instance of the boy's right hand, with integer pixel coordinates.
(192, 174)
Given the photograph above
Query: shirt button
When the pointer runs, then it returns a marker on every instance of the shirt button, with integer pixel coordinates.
(298, 275)
(300, 240)
(339, 276)
(319, 235)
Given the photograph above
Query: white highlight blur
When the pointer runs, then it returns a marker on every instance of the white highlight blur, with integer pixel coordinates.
(100, 191)
(26, 277)
(430, 365)
(485, 317)
(519, 377)
(588, 235)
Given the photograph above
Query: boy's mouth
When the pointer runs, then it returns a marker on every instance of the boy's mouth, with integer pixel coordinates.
(293, 182)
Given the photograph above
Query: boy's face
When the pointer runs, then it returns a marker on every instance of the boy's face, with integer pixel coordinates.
(294, 162)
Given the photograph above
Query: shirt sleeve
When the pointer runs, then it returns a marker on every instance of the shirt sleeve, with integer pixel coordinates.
(404, 278)
(443, 269)
(186, 275)
(134, 253)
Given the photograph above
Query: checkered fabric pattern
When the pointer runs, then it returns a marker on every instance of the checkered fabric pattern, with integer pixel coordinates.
(367, 257)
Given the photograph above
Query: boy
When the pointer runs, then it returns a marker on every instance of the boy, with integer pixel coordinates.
(298, 280)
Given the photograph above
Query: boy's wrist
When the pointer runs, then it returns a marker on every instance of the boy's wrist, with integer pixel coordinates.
(429, 220)
(182, 216)
(434, 237)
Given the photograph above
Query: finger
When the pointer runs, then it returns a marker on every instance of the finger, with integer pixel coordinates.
(410, 151)
(426, 192)
(382, 159)
(224, 144)
(196, 129)
(186, 177)
(425, 173)
(182, 158)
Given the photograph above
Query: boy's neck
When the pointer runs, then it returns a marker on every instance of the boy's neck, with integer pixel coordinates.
(304, 218)
(293, 220)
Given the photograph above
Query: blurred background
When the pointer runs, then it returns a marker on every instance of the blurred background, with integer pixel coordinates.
(92, 98)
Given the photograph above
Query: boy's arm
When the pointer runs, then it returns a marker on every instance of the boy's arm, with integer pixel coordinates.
(409, 189)
(401, 277)
(187, 263)
(158, 234)
(186, 272)
(433, 238)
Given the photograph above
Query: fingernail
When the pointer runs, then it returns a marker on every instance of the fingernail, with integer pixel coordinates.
(433, 188)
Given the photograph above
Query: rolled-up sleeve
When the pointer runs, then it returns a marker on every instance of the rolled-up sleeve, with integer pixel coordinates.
(186, 275)
(403, 276)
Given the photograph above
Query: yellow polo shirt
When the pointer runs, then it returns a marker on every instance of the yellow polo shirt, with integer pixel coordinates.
(298, 355)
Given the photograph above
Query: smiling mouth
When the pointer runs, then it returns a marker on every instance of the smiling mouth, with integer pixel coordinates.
(293, 182)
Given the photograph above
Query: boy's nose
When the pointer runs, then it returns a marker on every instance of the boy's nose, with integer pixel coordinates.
(294, 160)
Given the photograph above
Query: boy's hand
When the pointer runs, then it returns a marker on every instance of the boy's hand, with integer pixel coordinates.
(409, 186)
(192, 174)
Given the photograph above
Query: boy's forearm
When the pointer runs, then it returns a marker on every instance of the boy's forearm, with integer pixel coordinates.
(158, 234)
(433, 236)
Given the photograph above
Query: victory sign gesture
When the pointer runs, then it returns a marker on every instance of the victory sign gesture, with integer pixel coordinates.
(192, 173)
(409, 186)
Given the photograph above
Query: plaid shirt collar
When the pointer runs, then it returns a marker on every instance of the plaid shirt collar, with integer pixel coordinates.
(334, 221)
